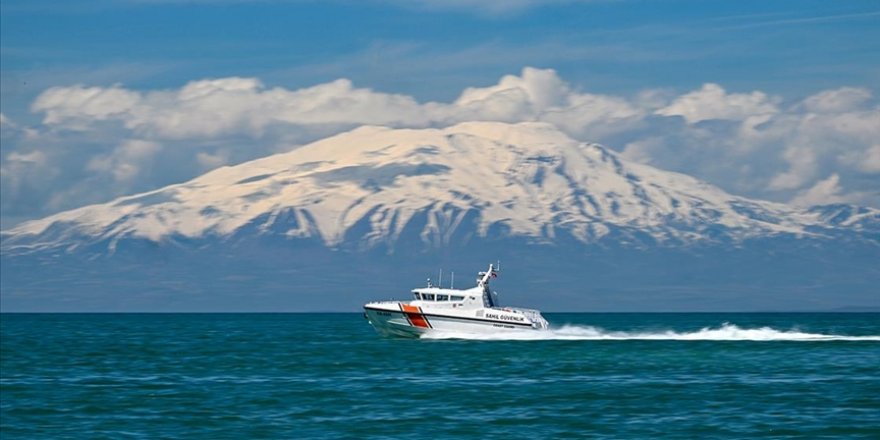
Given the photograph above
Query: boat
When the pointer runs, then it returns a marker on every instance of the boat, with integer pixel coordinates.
(435, 309)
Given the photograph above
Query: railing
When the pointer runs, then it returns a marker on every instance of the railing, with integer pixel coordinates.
(535, 316)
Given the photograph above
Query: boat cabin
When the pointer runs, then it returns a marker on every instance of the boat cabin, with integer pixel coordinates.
(437, 297)
(474, 297)
(479, 296)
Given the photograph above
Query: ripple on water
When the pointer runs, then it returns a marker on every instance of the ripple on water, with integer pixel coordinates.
(331, 376)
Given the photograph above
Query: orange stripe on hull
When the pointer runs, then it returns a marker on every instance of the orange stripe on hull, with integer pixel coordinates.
(414, 314)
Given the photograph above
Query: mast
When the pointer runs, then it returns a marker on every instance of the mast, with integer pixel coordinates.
(486, 276)
(484, 283)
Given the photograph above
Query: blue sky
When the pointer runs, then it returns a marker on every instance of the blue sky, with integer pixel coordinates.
(791, 47)
(789, 52)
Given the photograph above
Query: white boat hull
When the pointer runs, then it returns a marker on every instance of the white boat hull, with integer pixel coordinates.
(413, 323)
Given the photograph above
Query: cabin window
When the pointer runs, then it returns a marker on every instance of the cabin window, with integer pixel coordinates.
(457, 298)
(428, 296)
(417, 295)
(442, 297)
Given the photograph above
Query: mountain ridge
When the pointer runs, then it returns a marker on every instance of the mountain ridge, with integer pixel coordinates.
(370, 212)
(527, 179)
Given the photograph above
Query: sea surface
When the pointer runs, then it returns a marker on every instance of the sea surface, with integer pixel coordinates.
(330, 376)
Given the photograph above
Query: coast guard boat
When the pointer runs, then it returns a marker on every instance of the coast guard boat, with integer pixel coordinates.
(473, 310)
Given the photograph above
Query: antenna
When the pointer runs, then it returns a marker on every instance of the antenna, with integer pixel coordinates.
(452, 283)
(498, 266)
(440, 281)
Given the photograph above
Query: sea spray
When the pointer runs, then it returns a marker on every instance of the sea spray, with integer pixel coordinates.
(725, 332)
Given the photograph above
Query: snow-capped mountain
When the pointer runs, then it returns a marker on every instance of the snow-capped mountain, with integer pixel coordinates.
(329, 225)
(366, 186)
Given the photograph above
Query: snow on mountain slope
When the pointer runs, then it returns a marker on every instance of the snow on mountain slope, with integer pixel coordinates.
(527, 179)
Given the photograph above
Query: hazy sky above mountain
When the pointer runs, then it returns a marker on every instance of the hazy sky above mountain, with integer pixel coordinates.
(775, 100)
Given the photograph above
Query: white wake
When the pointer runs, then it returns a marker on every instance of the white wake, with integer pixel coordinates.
(726, 332)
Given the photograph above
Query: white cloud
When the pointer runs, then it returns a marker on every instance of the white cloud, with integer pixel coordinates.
(209, 161)
(748, 143)
(243, 106)
(643, 150)
(127, 161)
(824, 192)
(870, 162)
(713, 102)
(802, 167)
(31, 158)
(6, 122)
(837, 100)
(84, 104)
(539, 88)
(221, 107)
(22, 178)
(482, 7)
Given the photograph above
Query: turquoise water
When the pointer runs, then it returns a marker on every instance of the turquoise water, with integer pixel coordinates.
(331, 376)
